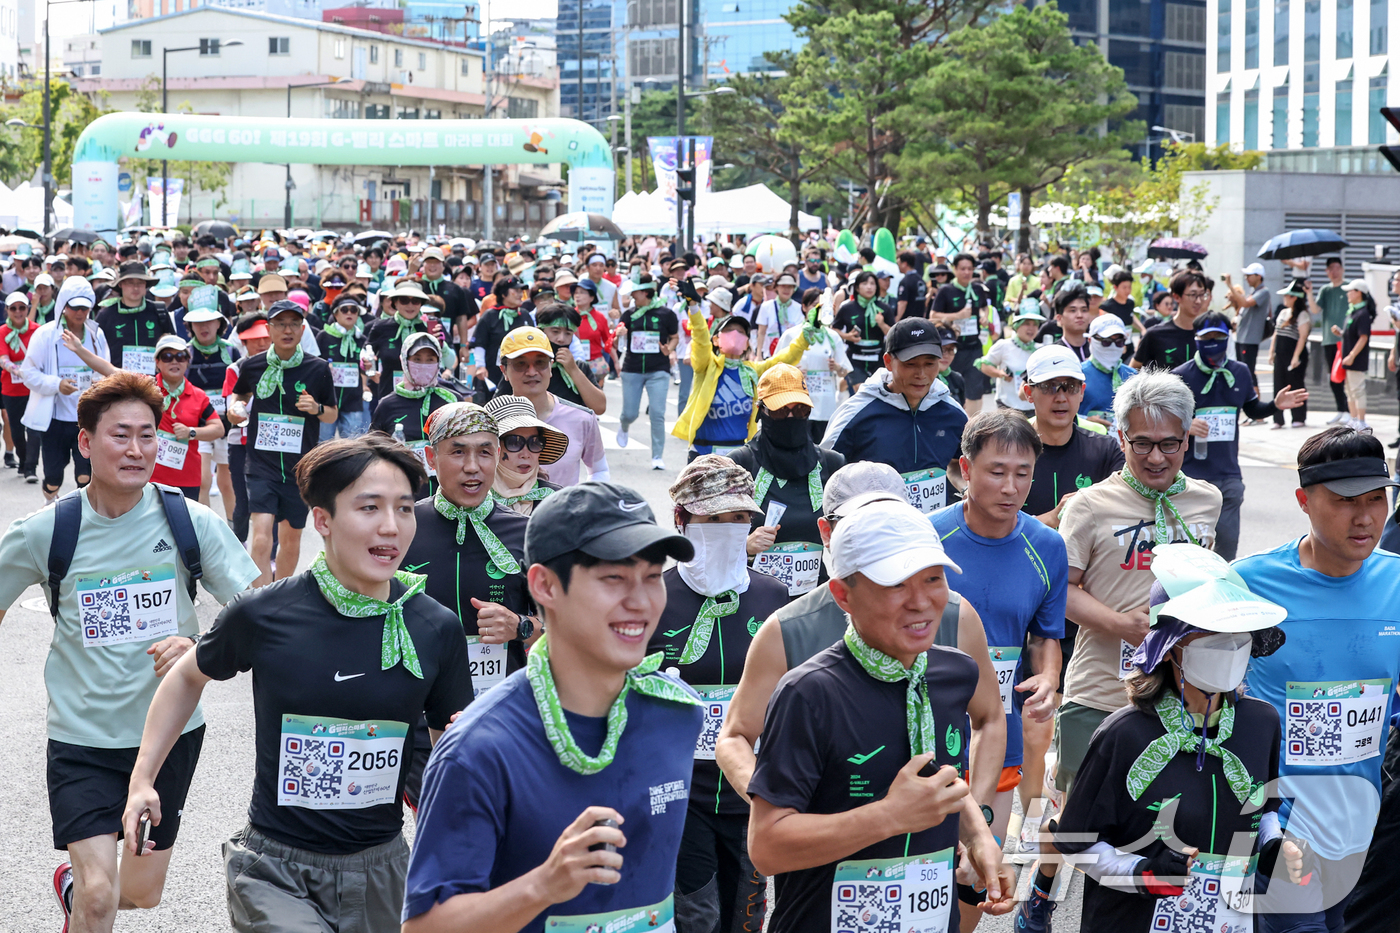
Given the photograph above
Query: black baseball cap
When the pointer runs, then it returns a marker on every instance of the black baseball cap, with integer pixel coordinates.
(1353, 476)
(603, 520)
(946, 336)
(911, 337)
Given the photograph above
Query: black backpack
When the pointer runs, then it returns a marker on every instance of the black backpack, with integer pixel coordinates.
(68, 516)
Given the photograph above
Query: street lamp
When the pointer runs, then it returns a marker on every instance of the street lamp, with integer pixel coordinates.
(287, 211)
(165, 108)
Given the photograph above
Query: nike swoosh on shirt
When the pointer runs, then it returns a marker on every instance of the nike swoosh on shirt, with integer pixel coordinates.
(416, 566)
(339, 678)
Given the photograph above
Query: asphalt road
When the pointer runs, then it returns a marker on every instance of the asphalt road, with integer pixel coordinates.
(218, 798)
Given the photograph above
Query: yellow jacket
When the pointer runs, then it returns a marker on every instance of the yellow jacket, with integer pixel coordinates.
(708, 365)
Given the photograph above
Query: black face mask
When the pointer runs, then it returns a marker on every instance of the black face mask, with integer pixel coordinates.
(786, 432)
(784, 446)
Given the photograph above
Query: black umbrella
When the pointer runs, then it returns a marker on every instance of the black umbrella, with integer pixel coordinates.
(221, 229)
(1176, 248)
(369, 236)
(581, 226)
(69, 234)
(1295, 244)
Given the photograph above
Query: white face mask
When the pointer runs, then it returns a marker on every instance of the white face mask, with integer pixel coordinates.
(1216, 663)
(1109, 356)
(721, 560)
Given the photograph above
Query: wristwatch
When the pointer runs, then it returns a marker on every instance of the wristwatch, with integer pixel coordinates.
(320, 409)
(987, 814)
(526, 628)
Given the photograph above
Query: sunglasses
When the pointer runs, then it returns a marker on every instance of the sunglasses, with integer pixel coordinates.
(1118, 341)
(181, 357)
(515, 443)
(1067, 386)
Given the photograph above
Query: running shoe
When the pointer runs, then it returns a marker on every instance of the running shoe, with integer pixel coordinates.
(657, 463)
(10, 460)
(1033, 914)
(621, 437)
(1338, 418)
(30, 478)
(63, 891)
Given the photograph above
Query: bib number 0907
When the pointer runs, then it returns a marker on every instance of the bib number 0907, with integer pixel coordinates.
(373, 761)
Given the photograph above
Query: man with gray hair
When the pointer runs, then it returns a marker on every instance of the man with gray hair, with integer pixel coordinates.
(1110, 530)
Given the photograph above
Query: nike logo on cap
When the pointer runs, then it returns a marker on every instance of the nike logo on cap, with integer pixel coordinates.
(339, 679)
(630, 507)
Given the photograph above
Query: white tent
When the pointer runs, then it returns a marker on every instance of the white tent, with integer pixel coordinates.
(748, 211)
(24, 208)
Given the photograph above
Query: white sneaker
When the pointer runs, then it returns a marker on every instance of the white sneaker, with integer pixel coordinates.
(1338, 418)
(657, 463)
(1360, 425)
(621, 437)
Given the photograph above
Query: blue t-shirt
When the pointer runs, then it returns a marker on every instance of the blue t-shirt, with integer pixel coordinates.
(1018, 585)
(1098, 389)
(1221, 406)
(727, 422)
(495, 799)
(1333, 684)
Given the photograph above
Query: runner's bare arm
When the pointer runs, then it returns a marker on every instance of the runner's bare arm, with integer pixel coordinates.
(1045, 660)
(764, 666)
(988, 745)
(171, 708)
(97, 364)
(1084, 609)
(984, 852)
(507, 909)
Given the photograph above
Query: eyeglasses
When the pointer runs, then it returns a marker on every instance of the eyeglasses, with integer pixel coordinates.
(515, 443)
(286, 325)
(1168, 445)
(181, 357)
(1194, 295)
(1067, 386)
(1118, 341)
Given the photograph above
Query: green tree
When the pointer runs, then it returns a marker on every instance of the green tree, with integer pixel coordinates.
(22, 150)
(1011, 105)
(210, 177)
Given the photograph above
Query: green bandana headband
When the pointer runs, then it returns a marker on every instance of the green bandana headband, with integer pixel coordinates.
(1162, 503)
(397, 645)
(814, 486)
(500, 555)
(918, 712)
(1179, 738)
(219, 346)
(426, 393)
(207, 263)
(271, 379)
(1114, 373)
(13, 337)
(699, 640)
(642, 678)
(1214, 371)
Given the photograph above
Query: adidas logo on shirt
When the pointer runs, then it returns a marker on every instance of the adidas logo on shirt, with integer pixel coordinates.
(161, 547)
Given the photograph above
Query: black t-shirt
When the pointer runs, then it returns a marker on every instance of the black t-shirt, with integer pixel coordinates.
(458, 302)
(132, 328)
(1358, 325)
(207, 370)
(800, 520)
(458, 572)
(266, 461)
(654, 326)
(490, 330)
(558, 387)
(347, 398)
(398, 409)
(383, 338)
(1049, 332)
(1080, 352)
(824, 717)
(315, 670)
(1165, 346)
(720, 665)
(1088, 458)
(865, 352)
(1194, 807)
(914, 291)
(952, 298)
(957, 387)
(1124, 311)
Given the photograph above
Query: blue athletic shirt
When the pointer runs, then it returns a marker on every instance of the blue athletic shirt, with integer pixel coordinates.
(1098, 389)
(727, 422)
(1017, 584)
(1343, 641)
(495, 799)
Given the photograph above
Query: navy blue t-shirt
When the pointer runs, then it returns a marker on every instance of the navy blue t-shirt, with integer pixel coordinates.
(728, 419)
(1018, 585)
(495, 799)
(1221, 406)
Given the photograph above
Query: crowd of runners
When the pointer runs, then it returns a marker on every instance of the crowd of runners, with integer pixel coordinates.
(948, 592)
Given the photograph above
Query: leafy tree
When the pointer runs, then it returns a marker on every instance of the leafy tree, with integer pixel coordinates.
(22, 150)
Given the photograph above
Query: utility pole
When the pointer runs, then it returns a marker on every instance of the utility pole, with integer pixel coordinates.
(680, 119)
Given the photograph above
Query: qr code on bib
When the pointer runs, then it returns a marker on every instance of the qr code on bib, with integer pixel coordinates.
(105, 613)
(1314, 728)
(709, 732)
(867, 908)
(311, 768)
(1192, 911)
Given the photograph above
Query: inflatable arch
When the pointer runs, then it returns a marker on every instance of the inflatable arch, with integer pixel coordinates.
(189, 137)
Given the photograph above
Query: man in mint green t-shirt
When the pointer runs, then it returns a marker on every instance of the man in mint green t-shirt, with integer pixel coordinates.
(124, 618)
(1331, 303)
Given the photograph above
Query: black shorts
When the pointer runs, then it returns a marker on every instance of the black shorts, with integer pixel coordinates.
(280, 500)
(87, 789)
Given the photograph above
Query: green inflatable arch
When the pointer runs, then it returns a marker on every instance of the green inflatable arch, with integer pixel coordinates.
(189, 137)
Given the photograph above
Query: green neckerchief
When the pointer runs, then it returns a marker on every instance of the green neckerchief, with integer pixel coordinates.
(824, 334)
(1027, 345)
(1162, 502)
(220, 346)
(500, 555)
(745, 375)
(508, 315)
(872, 311)
(537, 492)
(642, 678)
(699, 640)
(918, 712)
(1114, 373)
(1179, 738)
(1214, 371)
(43, 312)
(781, 308)
(397, 644)
(123, 309)
(171, 398)
(13, 337)
(406, 326)
(814, 486)
(271, 379)
(1352, 309)
(348, 349)
(426, 393)
(649, 306)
